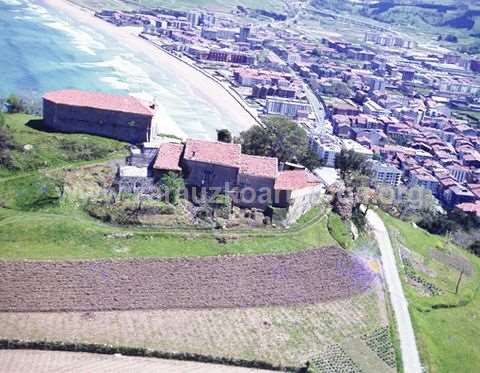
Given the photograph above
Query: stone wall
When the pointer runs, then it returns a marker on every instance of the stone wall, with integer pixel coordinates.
(209, 175)
(259, 185)
(142, 185)
(302, 201)
(129, 127)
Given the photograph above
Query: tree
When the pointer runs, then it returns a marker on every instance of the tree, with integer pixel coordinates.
(15, 104)
(224, 135)
(281, 138)
(6, 144)
(349, 162)
(173, 185)
(337, 89)
(475, 248)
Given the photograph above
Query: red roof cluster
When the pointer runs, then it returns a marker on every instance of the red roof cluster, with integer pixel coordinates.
(230, 155)
(472, 208)
(255, 165)
(215, 152)
(296, 179)
(168, 157)
(98, 100)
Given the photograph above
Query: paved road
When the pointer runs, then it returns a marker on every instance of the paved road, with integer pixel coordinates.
(408, 346)
(316, 105)
(26, 361)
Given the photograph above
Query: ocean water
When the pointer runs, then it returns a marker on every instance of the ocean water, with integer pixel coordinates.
(42, 49)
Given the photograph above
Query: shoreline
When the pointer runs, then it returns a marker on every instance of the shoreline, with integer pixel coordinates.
(198, 81)
(230, 91)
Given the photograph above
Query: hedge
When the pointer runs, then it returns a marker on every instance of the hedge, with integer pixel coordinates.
(15, 344)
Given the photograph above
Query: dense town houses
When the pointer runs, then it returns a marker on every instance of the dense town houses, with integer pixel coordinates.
(413, 109)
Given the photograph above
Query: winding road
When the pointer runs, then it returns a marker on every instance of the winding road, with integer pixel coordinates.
(408, 345)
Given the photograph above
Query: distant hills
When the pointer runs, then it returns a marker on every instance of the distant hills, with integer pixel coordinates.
(461, 15)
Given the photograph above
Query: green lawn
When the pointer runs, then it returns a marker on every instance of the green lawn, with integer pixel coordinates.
(64, 233)
(37, 149)
(340, 230)
(447, 337)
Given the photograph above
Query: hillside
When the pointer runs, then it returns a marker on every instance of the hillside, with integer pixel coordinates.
(441, 17)
(215, 5)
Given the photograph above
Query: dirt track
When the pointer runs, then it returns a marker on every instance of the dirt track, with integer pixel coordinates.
(211, 282)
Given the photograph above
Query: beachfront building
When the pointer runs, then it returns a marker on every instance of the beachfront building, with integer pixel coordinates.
(124, 118)
(287, 107)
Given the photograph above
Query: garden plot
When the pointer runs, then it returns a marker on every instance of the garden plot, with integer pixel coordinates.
(279, 335)
(307, 277)
(372, 352)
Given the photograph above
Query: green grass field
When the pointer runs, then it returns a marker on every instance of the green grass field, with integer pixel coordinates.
(447, 326)
(40, 220)
(36, 149)
(67, 233)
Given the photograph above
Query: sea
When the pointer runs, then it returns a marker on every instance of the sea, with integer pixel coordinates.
(42, 49)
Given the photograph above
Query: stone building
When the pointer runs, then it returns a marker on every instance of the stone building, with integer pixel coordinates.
(251, 181)
(124, 118)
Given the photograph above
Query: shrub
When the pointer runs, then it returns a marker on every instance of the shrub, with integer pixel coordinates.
(79, 151)
(173, 185)
(6, 145)
(40, 192)
(15, 104)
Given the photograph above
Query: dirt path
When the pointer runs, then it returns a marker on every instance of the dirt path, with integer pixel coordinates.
(21, 361)
(408, 345)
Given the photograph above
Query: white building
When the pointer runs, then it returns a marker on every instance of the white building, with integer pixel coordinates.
(383, 173)
(287, 107)
(372, 108)
(376, 83)
(357, 148)
(328, 147)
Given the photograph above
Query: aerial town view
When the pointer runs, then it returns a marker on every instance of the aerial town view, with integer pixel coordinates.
(239, 186)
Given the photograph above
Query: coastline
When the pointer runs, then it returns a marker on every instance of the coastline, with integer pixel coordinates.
(199, 81)
(230, 91)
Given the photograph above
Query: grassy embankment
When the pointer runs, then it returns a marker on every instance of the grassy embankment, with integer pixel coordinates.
(36, 149)
(37, 221)
(447, 325)
(340, 231)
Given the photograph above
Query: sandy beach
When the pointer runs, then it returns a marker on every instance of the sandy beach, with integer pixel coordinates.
(200, 84)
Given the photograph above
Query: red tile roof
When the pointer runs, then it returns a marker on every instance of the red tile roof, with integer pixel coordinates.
(296, 179)
(219, 153)
(168, 157)
(254, 165)
(473, 208)
(99, 100)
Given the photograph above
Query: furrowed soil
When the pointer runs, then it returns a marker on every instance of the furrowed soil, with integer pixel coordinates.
(280, 335)
(182, 283)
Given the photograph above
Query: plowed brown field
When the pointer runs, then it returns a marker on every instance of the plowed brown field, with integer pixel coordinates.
(210, 282)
